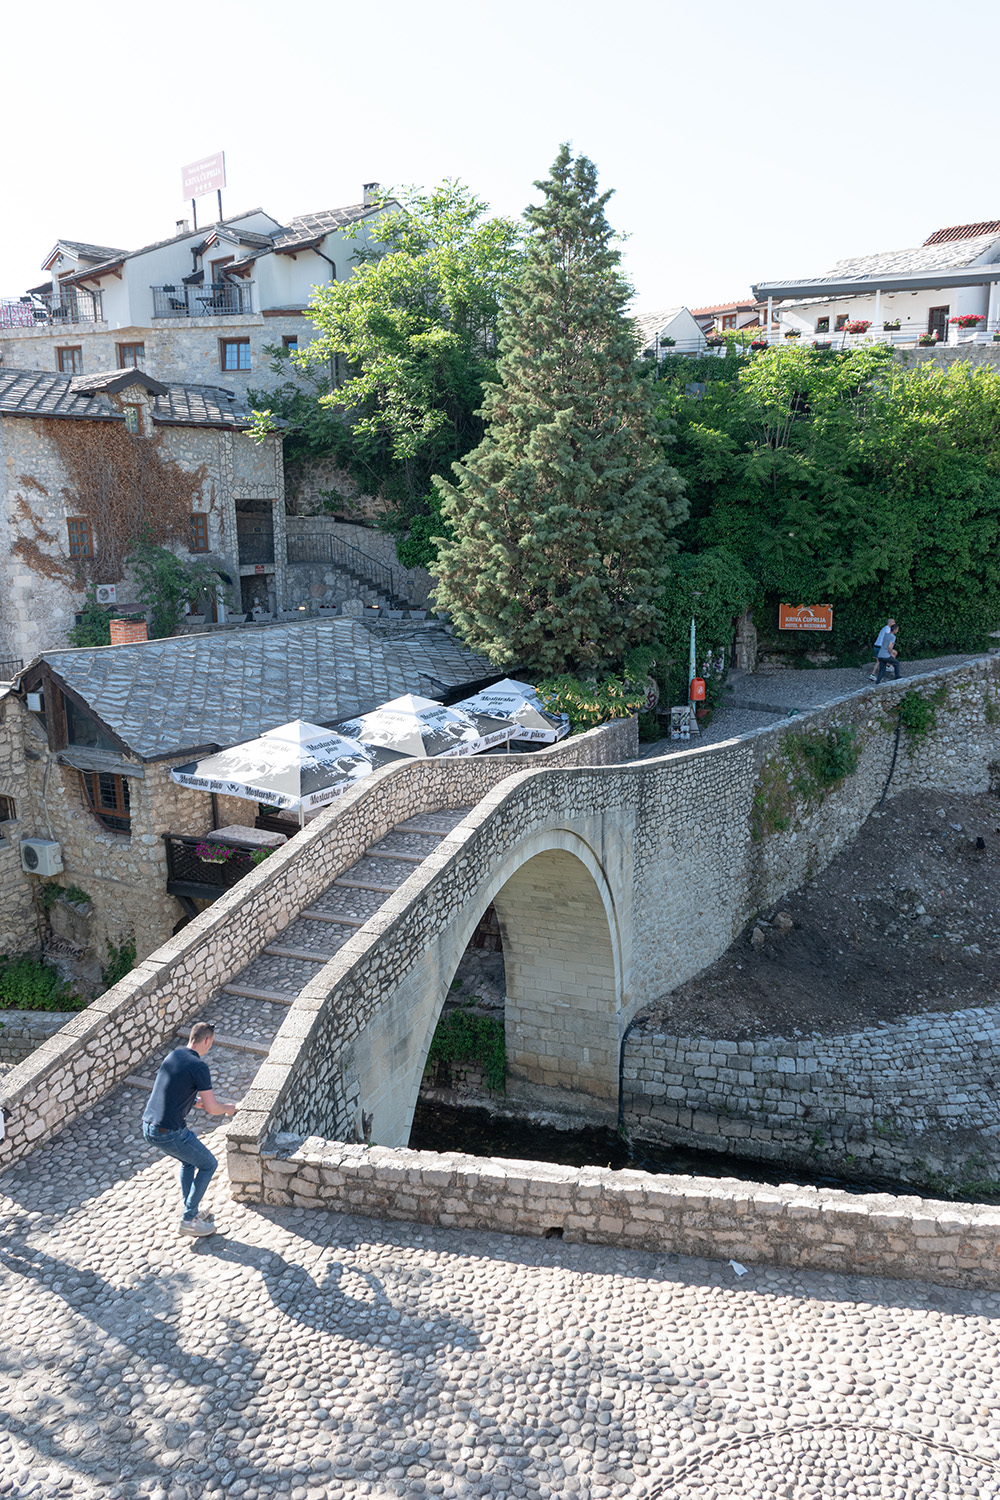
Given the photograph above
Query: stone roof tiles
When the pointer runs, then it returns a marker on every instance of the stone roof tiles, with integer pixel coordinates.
(950, 255)
(46, 393)
(170, 697)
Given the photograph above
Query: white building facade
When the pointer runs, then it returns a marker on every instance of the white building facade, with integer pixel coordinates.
(201, 306)
(944, 291)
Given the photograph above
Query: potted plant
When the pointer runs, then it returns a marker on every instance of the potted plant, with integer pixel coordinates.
(213, 854)
(891, 327)
(758, 344)
(968, 320)
(927, 340)
(822, 344)
(667, 343)
(793, 333)
(715, 341)
(859, 325)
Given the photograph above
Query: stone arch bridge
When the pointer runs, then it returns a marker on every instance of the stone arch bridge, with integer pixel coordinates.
(613, 879)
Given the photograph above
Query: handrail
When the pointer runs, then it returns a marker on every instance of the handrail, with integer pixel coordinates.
(381, 575)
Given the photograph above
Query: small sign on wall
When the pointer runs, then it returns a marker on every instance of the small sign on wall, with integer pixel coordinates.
(805, 616)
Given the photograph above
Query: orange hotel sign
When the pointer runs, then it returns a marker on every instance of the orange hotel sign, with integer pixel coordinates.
(805, 616)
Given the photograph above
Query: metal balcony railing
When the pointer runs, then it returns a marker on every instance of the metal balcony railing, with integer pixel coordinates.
(68, 305)
(201, 868)
(256, 546)
(213, 299)
(321, 547)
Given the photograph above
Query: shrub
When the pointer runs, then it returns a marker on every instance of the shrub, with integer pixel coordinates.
(28, 983)
(589, 703)
(121, 961)
(463, 1037)
(94, 628)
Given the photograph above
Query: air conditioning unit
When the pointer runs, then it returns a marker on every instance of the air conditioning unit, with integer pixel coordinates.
(41, 856)
(107, 593)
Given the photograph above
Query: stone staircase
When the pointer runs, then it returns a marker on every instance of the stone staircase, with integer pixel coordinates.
(248, 1011)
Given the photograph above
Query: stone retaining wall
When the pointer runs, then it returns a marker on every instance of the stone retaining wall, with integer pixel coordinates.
(910, 1101)
(72, 1070)
(21, 1031)
(879, 1235)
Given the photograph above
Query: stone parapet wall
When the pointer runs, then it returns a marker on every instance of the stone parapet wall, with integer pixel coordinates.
(910, 1101)
(103, 1044)
(22, 1031)
(805, 1228)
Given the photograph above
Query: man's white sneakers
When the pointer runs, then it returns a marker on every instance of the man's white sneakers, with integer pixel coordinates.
(197, 1226)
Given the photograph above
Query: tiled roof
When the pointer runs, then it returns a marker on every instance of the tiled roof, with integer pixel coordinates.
(92, 252)
(115, 257)
(308, 227)
(963, 232)
(737, 305)
(165, 698)
(943, 256)
(650, 324)
(45, 393)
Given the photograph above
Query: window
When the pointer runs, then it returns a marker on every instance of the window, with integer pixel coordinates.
(80, 541)
(70, 361)
(822, 325)
(131, 356)
(235, 354)
(81, 729)
(199, 533)
(290, 340)
(8, 810)
(842, 321)
(218, 266)
(107, 797)
(133, 417)
(729, 320)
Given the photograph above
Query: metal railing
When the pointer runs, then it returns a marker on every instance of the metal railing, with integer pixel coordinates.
(908, 335)
(213, 299)
(256, 546)
(68, 305)
(321, 547)
(192, 874)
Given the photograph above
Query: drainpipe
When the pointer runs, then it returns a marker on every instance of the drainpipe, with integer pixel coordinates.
(878, 307)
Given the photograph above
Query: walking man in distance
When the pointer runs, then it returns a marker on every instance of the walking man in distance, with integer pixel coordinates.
(182, 1081)
(888, 629)
(887, 653)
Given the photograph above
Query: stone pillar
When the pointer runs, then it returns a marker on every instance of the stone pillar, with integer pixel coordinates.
(746, 643)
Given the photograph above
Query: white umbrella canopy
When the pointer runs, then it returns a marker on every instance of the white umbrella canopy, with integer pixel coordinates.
(423, 727)
(298, 765)
(519, 701)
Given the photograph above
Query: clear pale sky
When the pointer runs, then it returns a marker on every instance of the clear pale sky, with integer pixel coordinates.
(743, 141)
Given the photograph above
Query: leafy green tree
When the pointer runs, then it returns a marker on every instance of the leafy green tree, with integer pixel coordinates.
(562, 515)
(167, 583)
(94, 628)
(412, 337)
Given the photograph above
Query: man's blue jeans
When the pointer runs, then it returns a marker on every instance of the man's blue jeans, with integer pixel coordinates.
(197, 1162)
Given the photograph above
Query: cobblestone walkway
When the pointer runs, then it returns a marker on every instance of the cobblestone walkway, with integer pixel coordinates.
(312, 1356)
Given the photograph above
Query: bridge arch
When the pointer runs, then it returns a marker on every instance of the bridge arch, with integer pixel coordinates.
(567, 987)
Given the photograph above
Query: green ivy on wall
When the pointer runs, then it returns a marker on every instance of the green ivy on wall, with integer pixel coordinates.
(802, 771)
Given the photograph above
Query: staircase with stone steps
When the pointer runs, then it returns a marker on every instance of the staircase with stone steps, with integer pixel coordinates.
(248, 1011)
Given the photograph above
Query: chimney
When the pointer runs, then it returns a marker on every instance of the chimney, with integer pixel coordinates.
(128, 632)
(183, 226)
(370, 190)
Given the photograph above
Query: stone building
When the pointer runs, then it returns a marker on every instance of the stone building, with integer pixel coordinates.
(200, 306)
(88, 738)
(87, 462)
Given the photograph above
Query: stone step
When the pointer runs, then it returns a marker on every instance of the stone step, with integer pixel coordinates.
(438, 823)
(237, 1043)
(380, 872)
(249, 992)
(302, 953)
(283, 976)
(412, 847)
(364, 885)
(348, 903)
(315, 915)
(253, 1018)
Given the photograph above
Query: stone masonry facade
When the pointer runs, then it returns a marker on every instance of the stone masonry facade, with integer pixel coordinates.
(39, 598)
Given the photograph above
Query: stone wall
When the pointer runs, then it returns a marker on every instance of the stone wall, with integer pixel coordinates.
(42, 587)
(321, 581)
(19, 927)
(21, 1031)
(806, 1228)
(914, 1101)
(670, 848)
(77, 1067)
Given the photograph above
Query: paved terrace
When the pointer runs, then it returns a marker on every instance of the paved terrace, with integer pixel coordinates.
(316, 1356)
(313, 1356)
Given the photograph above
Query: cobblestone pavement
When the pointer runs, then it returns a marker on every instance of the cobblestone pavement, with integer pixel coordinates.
(312, 1356)
(755, 700)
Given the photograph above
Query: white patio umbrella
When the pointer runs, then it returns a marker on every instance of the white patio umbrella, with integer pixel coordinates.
(422, 727)
(519, 701)
(298, 765)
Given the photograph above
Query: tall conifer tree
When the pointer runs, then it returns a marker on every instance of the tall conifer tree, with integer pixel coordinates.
(562, 516)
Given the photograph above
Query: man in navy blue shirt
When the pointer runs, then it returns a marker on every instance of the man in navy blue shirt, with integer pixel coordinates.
(182, 1081)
